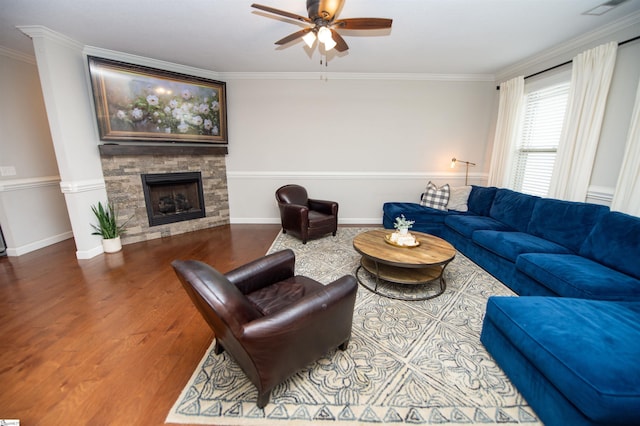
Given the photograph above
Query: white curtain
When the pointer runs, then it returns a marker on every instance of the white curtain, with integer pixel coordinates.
(590, 80)
(509, 119)
(627, 196)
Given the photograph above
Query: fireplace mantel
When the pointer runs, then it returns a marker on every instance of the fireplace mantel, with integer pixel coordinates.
(110, 149)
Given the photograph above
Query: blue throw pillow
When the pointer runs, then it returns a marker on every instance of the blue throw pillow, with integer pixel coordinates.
(480, 199)
(615, 242)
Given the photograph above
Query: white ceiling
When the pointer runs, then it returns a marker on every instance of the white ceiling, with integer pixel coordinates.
(428, 36)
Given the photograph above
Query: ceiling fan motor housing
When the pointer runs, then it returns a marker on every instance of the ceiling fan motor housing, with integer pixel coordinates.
(323, 9)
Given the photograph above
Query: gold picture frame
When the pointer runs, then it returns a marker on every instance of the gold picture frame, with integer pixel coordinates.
(138, 103)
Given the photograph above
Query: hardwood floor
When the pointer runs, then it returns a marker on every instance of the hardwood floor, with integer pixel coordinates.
(111, 340)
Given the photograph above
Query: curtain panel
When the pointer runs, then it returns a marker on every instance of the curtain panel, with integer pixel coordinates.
(626, 199)
(507, 127)
(590, 80)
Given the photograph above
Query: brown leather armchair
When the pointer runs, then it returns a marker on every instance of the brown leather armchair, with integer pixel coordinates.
(305, 217)
(272, 322)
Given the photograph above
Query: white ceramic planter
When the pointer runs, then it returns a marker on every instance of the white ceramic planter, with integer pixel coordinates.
(111, 245)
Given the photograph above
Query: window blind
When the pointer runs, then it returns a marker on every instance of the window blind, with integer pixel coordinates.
(538, 142)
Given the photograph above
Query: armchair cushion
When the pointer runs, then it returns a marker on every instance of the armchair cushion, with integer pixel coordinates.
(271, 299)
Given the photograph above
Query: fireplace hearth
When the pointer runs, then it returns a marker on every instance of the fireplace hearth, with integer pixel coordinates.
(173, 197)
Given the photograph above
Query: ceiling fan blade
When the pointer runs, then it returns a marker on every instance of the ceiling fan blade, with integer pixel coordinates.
(294, 36)
(341, 45)
(281, 12)
(363, 23)
(323, 9)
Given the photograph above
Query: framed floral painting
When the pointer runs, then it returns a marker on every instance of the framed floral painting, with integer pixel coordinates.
(137, 103)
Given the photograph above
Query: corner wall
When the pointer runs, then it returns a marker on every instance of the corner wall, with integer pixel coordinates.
(33, 213)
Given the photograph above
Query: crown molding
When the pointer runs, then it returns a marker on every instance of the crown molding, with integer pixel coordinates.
(568, 48)
(149, 62)
(354, 76)
(18, 56)
(39, 31)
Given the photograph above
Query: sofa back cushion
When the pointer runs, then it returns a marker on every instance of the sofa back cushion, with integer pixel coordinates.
(615, 242)
(564, 222)
(480, 199)
(513, 208)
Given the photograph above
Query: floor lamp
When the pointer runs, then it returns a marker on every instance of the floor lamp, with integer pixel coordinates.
(466, 176)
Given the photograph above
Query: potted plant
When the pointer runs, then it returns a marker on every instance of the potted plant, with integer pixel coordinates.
(108, 227)
(403, 224)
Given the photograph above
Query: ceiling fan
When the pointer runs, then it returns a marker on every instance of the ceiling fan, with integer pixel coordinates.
(323, 24)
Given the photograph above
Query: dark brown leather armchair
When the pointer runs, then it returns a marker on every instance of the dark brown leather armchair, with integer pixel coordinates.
(272, 322)
(305, 217)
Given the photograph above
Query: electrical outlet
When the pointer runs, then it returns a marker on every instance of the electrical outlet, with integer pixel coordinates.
(7, 171)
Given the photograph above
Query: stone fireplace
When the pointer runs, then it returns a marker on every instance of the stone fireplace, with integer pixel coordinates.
(189, 185)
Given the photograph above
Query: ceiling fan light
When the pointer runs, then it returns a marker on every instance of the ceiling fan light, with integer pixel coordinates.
(324, 34)
(309, 38)
(329, 44)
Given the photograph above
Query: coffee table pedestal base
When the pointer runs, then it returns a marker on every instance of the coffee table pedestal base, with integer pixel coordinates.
(402, 276)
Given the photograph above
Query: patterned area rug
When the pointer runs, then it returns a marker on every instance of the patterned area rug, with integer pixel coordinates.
(416, 362)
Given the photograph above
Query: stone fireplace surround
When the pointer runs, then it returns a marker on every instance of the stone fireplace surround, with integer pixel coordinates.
(123, 166)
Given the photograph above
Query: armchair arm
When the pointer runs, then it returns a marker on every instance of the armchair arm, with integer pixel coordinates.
(294, 216)
(290, 339)
(324, 206)
(263, 271)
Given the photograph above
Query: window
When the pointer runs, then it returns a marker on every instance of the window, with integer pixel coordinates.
(537, 144)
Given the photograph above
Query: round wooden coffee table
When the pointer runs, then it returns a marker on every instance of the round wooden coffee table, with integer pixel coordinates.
(408, 266)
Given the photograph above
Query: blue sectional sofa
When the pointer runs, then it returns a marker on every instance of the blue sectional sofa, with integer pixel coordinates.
(539, 246)
(572, 346)
(575, 361)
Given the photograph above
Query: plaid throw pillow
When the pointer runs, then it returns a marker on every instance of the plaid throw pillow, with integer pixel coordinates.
(436, 198)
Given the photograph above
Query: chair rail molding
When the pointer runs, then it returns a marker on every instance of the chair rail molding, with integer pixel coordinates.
(28, 183)
(73, 187)
(320, 175)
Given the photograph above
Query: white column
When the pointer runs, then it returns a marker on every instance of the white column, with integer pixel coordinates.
(62, 70)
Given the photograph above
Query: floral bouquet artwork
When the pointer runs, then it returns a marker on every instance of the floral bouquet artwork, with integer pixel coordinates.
(139, 103)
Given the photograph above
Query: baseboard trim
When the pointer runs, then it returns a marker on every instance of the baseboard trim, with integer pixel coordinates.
(36, 245)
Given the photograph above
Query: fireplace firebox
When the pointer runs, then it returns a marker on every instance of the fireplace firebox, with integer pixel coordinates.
(173, 197)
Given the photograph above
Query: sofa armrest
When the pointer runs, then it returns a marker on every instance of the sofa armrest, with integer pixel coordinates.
(263, 272)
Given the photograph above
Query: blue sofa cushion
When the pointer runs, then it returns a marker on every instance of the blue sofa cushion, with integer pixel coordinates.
(615, 242)
(564, 222)
(588, 349)
(468, 224)
(513, 208)
(511, 244)
(571, 275)
(413, 211)
(480, 199)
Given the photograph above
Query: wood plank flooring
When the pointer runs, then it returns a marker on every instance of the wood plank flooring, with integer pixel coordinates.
(111, 340)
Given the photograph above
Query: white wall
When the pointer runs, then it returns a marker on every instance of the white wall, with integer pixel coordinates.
(32, 209)
(360, 142)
